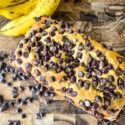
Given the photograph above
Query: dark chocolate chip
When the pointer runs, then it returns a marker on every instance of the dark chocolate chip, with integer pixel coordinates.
(52, 78)
(111, 78)
(98, 99)
(52, 33)
(120, 83)
(28, 65)
(87, 43)
(25, 54)
(73, 79)
(119, 71)
(79, 55)
(38, 72)
(54, 28)
(19, 110)
(20, 45)
(107, 102)
(88, 75)
(19, 61)
(104, 81)
(80, 74)
(74, 94)
(98, 53)
(61, 30)
(80, 47)
(86, 85)
(24, 116)
(19, 53)
(109, 47)
(120, 59)
(95, 106)
(98, 72)
(64, 79)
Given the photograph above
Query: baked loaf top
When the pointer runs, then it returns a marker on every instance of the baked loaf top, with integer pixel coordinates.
(76, 67)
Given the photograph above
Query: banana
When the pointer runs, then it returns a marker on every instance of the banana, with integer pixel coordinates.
(6, 3)
(22, 24)
(16, 11)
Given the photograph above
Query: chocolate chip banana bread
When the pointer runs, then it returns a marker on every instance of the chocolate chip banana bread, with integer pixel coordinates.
(76, 67)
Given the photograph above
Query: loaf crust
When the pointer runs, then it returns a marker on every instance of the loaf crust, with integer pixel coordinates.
(89, 74)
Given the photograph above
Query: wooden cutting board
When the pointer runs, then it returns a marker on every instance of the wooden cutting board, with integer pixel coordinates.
(104, 21)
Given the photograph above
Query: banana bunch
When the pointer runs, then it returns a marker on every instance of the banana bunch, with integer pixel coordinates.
(24, 20)
(13, 12)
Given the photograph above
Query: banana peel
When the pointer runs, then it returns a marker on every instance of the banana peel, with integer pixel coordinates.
(22, 24)
(16, 11)
(7, 3)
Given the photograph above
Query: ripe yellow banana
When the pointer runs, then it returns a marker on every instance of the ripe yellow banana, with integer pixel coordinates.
(16, 11)
(22, 24)
(6, 3)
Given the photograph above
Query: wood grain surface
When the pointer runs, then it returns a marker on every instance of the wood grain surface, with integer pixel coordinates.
(103, 20)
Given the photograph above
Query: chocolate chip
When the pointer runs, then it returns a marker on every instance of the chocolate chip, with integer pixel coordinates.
(73, 79)
(80, 47)
(120, 59)
(26, 40)
(88, 75)
(52, 33)
(1, 99)
(89, 60)
(60, 61)
(20, 45)
(111, 78)
(52, 78)
(86, 85)
(107, 102)
(21, 88)
(54, 28)
(36, 62)
(95, 106)
(105, 70)
(98, 99)
(111, 111)
(104, 81)
(79, 55)
(24, 116)
(98, 72)
(19, 100)
(119, 71)
(80, 74)
(108, 47)
(19, 110)
(74, 94)
(112, 87)
(98, 53)
(25, 54)
(19, 53)
(90, 48)
(95, 83)
(64, 79)
(87, 43)
(44, 33)
(19, 61)
(61, 30)
(38, 72)
(8, 83)
(17, 123)
(28, 65)
(40, 30)
(120, 83)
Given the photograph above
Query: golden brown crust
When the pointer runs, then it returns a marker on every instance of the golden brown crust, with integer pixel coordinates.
(91, 69)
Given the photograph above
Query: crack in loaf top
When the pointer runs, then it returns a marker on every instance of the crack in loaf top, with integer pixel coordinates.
(88, 73)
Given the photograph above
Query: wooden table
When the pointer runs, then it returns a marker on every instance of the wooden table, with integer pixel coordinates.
(103, 20)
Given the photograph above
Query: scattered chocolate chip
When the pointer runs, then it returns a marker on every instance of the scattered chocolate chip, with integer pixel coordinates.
(73, 79)
(79, 55)
(104, 81)
(20, 45)
(108, 47)
(80, 74)
(107, 102)
(19, 61)
(120, 59)
(24, 116)
(98, 72)
(80, 47)
(95, 106)
(119, 71)
(38, 72)
(98, 99)
(19, 110)
(98, 53)
(21, 88)
(28, 65)
(120, 83)
(74, 94)
(52, 33)
(88, 75)
(25, 54)
(64, 79)
(87, 43)
(111, 78)
(86, 85)
(52, 78)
